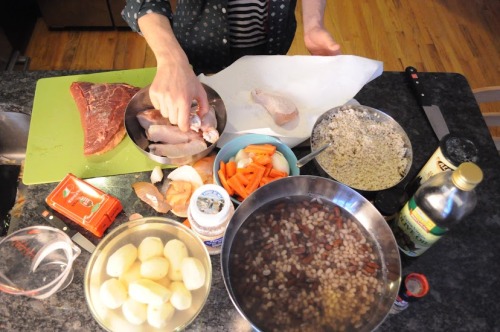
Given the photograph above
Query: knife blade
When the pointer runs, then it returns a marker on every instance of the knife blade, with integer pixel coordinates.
(75, 236)
(433, 112)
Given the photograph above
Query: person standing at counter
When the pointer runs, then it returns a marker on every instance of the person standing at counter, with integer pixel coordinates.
(206, 36)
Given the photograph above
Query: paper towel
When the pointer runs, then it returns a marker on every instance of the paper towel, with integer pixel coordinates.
(314, 83)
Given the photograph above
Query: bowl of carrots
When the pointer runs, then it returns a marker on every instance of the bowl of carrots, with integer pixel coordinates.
(250, 161)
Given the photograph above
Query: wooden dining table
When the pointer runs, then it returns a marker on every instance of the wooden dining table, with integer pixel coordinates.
(462, 268)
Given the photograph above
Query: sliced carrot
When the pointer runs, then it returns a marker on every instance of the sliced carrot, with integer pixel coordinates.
(230, 168)
(267, 148)
(274, 173)
(223, 181)
(222, 168)
(242, 178)
(237, 186)
(262, 159)
(269, 167)
(252, 186)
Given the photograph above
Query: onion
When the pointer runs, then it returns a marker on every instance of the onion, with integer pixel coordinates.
(280, 163)
(149, 194)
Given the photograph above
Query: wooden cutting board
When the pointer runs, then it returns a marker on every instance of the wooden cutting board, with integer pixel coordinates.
(55, 139)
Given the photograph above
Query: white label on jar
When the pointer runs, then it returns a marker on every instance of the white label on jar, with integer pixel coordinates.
(436, 164)
(210, 202)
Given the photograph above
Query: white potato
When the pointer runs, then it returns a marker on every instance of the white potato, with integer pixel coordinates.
(159, 315)
(149, 292)
(150, 247)
(113, 293)
(165, 282)
(154, 268)
(121, 260)
(175, 251)
(181, 297)
(135, 312)
(132, 274)
(193, 273)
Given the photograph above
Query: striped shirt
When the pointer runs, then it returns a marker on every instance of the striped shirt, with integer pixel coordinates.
(247, 22)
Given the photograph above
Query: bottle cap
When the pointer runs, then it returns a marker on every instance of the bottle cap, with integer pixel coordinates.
(467, 176)
(416, 285)
(209, 205)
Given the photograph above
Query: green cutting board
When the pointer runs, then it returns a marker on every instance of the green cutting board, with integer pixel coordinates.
(55, 139)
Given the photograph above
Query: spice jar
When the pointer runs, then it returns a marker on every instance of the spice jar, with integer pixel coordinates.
(453, 150)
(209, 212)
(413, 287)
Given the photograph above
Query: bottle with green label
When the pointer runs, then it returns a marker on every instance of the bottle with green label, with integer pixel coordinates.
(437, 205)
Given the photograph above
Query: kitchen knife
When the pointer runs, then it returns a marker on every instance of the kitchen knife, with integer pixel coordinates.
(76, 236)
(432, 112)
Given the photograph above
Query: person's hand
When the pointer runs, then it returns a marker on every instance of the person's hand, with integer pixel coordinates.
(319, 41)
(173, 90)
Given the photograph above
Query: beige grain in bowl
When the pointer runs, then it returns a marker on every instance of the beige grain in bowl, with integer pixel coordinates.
(370, 150)
(127, 290)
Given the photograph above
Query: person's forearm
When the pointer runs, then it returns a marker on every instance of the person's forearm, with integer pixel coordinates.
(312, 13)
(160, 37)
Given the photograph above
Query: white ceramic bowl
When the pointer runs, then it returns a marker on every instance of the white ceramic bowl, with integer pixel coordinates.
(134, 232)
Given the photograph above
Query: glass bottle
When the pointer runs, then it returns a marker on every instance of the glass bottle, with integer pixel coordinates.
(440, 202)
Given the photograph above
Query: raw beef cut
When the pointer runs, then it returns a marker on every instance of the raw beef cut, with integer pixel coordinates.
(102, 113)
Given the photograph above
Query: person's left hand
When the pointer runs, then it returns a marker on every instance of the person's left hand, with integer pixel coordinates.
(320, 42)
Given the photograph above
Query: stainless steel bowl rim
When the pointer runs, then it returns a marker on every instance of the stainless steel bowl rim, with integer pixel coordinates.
(141, 101)
(379, 116)
(345, 197)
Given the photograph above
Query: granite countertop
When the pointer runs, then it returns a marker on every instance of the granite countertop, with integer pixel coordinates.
(462, 268)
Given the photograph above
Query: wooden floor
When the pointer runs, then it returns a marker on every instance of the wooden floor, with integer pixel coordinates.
(431, 35)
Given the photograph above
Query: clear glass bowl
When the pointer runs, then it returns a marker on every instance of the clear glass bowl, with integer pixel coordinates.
(36, 262)
(134, 232)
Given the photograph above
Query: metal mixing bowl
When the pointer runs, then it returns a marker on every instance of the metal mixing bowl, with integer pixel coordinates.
(372, 114)
(133, 232)
(137, 134)
(322, 190)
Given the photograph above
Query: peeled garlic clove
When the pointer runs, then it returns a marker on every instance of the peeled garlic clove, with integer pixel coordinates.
(113, 293)
(132, 274)
(175, 251)
(121, 260)
(150, 247)
(154, 268)
(181, 297)
(135, 312)
(156, 175)
(149, 292)
(193, 273)
(159, 315)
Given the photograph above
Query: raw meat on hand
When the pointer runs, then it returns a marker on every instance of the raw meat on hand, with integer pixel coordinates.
(178, 150)
(151, 117)
(207, 125)
(280, 108)
(170, 134)
(102, 113)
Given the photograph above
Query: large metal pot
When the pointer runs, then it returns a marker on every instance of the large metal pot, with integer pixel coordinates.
(323, 190)
(141, 102)
(373, 114)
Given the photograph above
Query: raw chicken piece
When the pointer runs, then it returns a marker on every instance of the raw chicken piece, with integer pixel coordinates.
(178, 150)
(207, 125)
(151, 117)
(170, 134)
(280, 108)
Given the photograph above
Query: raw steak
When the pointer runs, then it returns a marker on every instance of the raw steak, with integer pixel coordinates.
(102, 113)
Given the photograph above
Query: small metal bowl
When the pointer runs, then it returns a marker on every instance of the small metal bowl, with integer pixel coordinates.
(373, 114)
(137, 134)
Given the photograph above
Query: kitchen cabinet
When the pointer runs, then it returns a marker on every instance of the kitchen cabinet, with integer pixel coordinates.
(76, 13)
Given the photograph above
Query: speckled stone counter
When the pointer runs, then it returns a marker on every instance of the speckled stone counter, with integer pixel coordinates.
(462, 268)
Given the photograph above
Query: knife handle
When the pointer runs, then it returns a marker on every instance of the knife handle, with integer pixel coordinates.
(417, 87)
